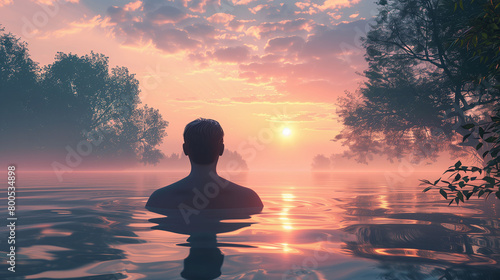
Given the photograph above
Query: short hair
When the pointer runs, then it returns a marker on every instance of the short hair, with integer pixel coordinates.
(203, 137)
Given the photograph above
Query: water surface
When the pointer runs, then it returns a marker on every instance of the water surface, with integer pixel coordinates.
(313, 226)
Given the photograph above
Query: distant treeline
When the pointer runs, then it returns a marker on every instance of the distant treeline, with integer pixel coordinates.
(76, 111)
(229, 161)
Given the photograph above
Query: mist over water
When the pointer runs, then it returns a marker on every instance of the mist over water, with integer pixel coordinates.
(313, 226)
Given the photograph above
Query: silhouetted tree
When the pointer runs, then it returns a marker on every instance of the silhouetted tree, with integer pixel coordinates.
(44, 110)
(419, 89)
(482, 39)
(229, 161)
(19, 92)
(320, 162)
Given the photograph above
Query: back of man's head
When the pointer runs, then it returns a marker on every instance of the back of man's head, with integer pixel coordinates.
(204, 140)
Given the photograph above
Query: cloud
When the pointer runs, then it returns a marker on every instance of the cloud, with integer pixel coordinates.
(294, 47)
(317, 69)
(173, 40)
(302, 5)
(343, 37)
(220, 18)
(269, 29)
(197, 5)
(157, 25)
(77, 27)
(337, 4)
(6, 2)
(52, 2)
(133, 6)
(201, 30)
(291, 44)
(238, 25)
(119, 14)
(243, 2)
(232, 54)
(166, 14)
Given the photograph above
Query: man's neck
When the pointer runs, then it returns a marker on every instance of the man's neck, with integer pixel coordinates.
(202, 171)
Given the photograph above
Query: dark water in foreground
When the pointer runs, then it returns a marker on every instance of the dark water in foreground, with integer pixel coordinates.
(314, 226)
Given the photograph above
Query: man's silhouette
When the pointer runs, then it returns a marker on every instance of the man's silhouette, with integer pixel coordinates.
(203, 188)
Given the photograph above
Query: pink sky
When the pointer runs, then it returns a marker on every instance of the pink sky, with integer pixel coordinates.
(256, 66)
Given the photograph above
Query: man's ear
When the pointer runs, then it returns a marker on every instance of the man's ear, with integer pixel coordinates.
(185, 148)
(221, 150)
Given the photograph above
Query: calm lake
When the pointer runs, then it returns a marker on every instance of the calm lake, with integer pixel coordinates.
(313, 226)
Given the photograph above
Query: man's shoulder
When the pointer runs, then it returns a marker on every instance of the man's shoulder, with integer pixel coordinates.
(239, 188)
(249, 195)
(163, 195)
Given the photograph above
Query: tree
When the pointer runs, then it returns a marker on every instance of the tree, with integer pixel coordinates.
(46, 109)
(320, 162)
(482, 41)
(419, 90)
(18, 86)
(151, 128)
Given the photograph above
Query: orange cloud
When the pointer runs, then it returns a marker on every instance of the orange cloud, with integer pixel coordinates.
(6, 2)
(291, 44)
(243, 2)
(133, 6)
(337, 4)
(77, 27)
(51, 2)
(220, 18)
(198, 6)
(268, 29)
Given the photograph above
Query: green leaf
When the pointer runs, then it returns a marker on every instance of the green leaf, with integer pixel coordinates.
(426, 189)
(458, 164)
(443, 193)
(481, 132)
(479, 146)
(456, 200)
(481, 192)
(425, 182)
(468, 126)
(461, 184)
(437, 181)
(457, 177)
(498, 194)
(466, 136)
(468, 194)
(494, 152)
(489, 192)
(491, 139)
(489, 179)
(460, 196)
(485, 153)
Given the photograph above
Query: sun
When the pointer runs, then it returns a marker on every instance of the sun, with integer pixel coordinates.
(286, 131)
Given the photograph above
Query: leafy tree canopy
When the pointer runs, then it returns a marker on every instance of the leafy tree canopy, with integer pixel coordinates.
(421, 83)
(76, 98)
